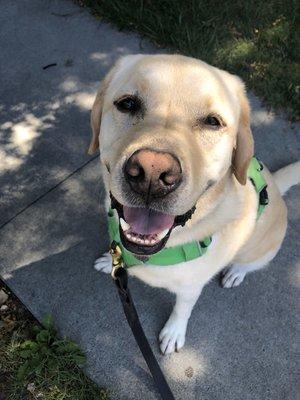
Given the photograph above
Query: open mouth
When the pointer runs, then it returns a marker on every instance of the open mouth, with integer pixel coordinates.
(144, 231)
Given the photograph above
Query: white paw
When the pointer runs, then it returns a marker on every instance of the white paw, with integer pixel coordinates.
(233, 277)
(104, 263)
(172, 336)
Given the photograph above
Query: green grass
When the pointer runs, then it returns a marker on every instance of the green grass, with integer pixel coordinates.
(36, 364)
(257, 40)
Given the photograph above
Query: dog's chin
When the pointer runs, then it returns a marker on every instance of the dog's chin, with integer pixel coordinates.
(144, 231)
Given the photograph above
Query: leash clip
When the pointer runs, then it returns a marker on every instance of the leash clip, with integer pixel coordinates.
(117, 262)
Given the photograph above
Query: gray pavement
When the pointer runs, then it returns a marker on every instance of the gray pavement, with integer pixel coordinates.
(241, 343)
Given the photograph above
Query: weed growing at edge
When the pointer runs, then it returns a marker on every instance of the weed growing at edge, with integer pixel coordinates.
(42, 366)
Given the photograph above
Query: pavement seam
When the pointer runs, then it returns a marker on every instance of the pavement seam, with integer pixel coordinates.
(47, 192)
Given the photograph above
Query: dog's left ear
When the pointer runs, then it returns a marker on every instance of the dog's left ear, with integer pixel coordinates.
(96, 113)
(244, 149)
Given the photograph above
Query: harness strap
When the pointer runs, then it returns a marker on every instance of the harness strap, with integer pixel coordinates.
(167, 256)
(259, 183)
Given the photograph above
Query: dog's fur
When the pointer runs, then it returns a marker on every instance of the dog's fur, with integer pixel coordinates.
(178, 92)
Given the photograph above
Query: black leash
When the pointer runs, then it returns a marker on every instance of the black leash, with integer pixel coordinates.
(121, 281)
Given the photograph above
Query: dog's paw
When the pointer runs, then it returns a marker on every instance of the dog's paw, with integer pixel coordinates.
(233, 277)
(172, 336)
(104, 263)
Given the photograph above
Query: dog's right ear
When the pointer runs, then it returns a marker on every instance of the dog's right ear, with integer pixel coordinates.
(97, 113)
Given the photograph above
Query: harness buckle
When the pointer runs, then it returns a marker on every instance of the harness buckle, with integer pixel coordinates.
(263, 197)
(117, 262)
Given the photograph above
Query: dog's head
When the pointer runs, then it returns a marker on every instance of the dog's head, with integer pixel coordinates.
(168, 128)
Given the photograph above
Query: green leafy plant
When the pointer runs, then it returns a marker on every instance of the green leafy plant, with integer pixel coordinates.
(43, 366)
(46, 353)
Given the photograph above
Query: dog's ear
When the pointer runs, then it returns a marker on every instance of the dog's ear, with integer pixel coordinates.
(244, 149)
(97, 113)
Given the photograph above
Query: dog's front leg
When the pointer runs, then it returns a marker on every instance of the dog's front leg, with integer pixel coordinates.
(172, 336)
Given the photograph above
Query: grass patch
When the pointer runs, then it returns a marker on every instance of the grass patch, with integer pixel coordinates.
(258, 40)
(36, 364)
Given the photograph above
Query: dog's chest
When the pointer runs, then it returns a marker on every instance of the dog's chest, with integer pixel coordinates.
(173, 277)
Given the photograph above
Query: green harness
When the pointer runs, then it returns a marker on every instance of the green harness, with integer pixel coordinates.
(188, 251)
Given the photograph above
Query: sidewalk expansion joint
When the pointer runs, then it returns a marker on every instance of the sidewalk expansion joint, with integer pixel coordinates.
(47, 192)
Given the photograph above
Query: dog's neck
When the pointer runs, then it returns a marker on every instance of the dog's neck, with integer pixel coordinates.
(217, 207)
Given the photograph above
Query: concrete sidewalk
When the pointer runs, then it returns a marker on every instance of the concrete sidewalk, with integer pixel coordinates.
(241, 343)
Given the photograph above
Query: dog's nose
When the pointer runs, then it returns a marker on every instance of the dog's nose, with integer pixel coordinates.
(152, 173)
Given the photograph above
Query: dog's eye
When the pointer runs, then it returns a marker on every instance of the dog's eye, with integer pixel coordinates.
(212, 121)
(128, 104)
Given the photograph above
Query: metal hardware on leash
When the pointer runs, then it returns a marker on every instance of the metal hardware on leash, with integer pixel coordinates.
(117, 262)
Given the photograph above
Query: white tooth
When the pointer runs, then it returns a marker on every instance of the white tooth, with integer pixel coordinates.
(162, 234)
(147, 241)
(124, 225)
(153, 241)
(128, 235)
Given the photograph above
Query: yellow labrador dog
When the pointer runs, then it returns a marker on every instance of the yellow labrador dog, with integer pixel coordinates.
(175, 145)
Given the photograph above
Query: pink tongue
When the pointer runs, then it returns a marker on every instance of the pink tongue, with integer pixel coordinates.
(147, 222)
